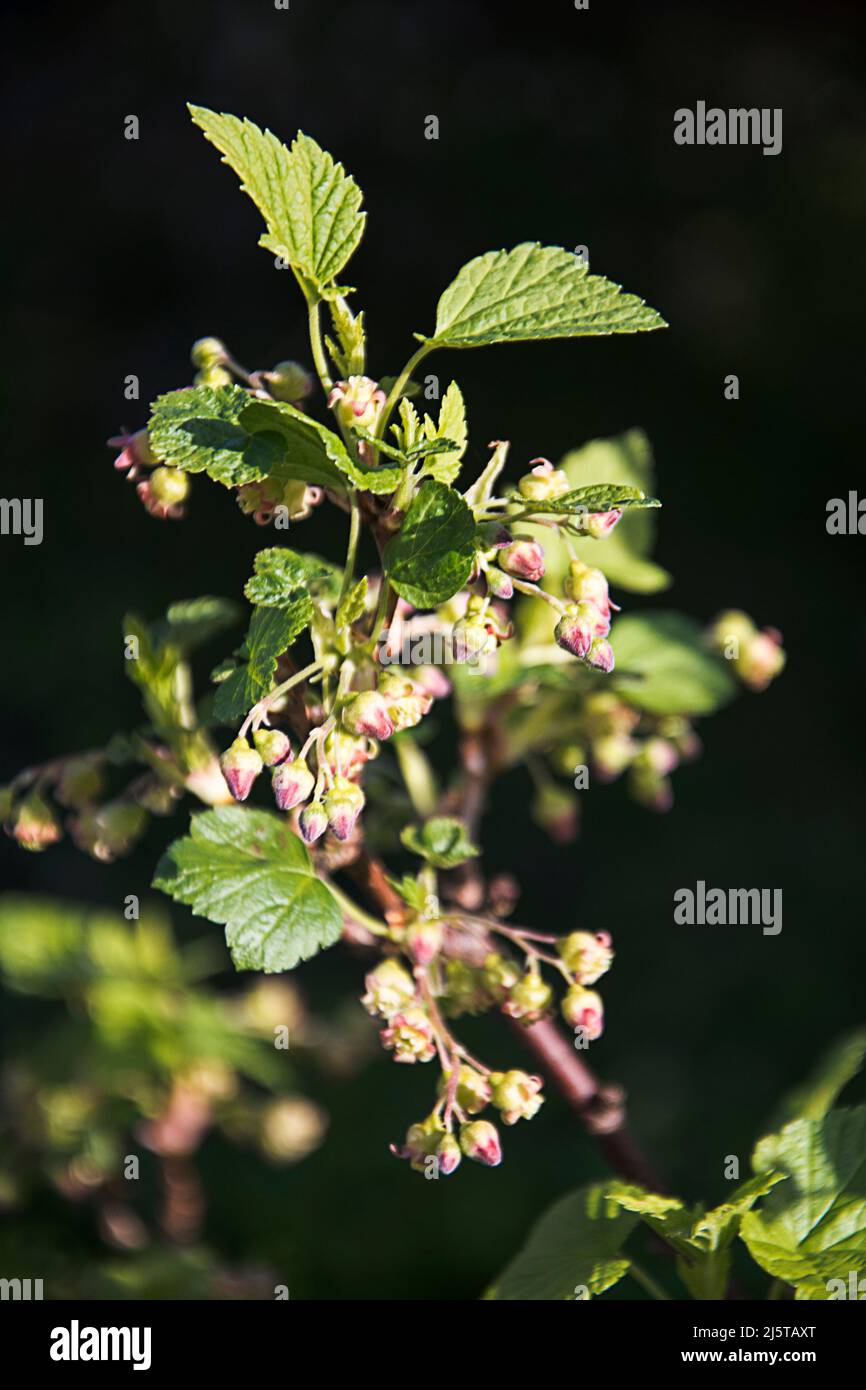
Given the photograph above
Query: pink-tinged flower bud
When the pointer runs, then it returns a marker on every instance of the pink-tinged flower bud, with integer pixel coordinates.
(600, 655)
(612, 754)
(288, 381)
(731, 632)
(598, 524)
(343, 803)
(586, 582)
(473, 1089)
(657, 757)
(543, 483)
(169, 486)
(357, 401)
(347, 753)
(389, 987)
(272, 746)
(292, 782)
(557, 811)
(499, 584)
(448, 1155)
(582, 1008)
(479, 1140)
(422, 1141)
(578, 627)
(409, 1036)
(524, 558)
(529, 999)
(35, 826)
(367, 713)
(470, 639)
(650, 790)
(111, 831)
(424, 941)
(517, 1095)
(135, 452)
(313, 822)
(208, 352)
(80, 783)
(679, 732)
(259, 499)
(240, 766)
(147, 495)
(586, 955)
(761, 660)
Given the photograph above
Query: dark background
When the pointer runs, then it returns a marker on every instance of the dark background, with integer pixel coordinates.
(555, 125)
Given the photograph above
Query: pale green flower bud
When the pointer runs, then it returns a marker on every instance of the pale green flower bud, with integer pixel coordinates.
(288, 381)
(543, 483)
(169, 487)
(473, 1089)
(390, 988)
(586, 955)
(582, 1008)
(479, 1140)
(529, 999)
(409, 1035)
(35, 826)
(207, 352)
(517, 1095)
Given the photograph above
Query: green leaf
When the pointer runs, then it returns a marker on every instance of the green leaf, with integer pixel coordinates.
(434, 445)
(432, 555)
(700, 1239)
(812, 1228)
(625, 558)
(348, 353)
(200, 430)
(819, 1092)
(442, 841)
(353, 606)
(575, 1246)
(598, 497)
(247, 871)
(281, 574)
(271, 632)
(313, 453)
(163, 678)
(411, 891)
(452, 424)
(663, 667)
(312, 209)
(190, 623)
(410, 429)
(534, 292)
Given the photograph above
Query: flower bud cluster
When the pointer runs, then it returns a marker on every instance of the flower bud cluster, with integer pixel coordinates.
(585, 623)
(165, 489)
(613, 738)
(395, 703)
(103, 830)
(757, 655)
